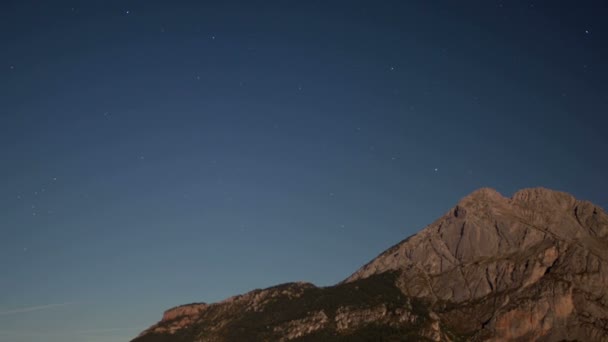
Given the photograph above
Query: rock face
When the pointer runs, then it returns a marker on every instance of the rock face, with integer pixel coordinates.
(533, 267)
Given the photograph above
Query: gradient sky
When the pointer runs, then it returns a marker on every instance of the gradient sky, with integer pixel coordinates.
(156, 153)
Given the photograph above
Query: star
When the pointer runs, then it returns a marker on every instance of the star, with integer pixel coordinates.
(127, 12)
(587, 32)
(12, 67)
(213, 37)
(436, 169)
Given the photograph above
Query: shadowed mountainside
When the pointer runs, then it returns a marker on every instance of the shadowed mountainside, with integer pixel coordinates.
(530, 267)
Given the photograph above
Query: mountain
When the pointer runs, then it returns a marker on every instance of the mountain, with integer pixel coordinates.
(533, 267)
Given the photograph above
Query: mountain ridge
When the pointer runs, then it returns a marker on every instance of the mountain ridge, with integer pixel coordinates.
(529, 267)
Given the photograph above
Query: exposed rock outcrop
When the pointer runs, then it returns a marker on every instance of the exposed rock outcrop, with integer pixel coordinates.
(533, 267)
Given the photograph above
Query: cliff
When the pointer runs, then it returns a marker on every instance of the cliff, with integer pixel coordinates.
(532, 267)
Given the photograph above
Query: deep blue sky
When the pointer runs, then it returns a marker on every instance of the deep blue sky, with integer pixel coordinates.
(161, 153)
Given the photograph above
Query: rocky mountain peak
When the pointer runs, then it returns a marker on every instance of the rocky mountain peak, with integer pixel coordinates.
(493, 268)
(485, 224)
(483, 195)
(549, 199)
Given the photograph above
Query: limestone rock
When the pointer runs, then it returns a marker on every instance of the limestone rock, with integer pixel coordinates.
(532, 267)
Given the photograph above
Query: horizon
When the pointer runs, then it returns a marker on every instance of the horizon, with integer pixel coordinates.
(157, 154)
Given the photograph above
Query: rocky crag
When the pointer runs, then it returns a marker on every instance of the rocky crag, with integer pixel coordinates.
(533, 267)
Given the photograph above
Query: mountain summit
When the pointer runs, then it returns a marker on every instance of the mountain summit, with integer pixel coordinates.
(533, 267)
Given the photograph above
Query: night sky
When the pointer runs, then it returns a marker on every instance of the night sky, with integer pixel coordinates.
(162, 153)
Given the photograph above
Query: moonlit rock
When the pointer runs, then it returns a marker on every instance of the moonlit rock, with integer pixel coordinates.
(530, 267)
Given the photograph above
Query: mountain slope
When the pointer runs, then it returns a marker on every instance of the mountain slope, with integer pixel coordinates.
(530, 267)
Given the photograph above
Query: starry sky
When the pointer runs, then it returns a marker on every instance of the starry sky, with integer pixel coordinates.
(157, 153)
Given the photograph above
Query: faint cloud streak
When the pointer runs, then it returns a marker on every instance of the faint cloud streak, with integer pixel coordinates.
(32, 309)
